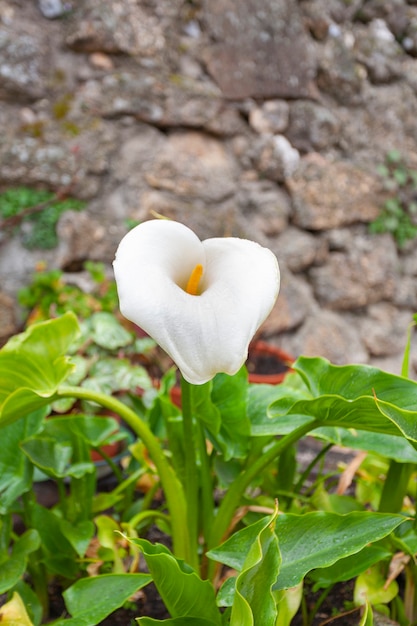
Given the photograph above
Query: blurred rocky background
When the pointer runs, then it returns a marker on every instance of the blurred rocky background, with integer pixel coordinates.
(265, 119)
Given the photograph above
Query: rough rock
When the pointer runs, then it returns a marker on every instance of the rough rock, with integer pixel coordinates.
(385, 119)
(193, 165)
(339, 75)
(329, 335)
(328, 194)
(294, 305)
(159, 99)
(377, 49)
(55, 157)
(116, 27)
(312, 126)
(362, 275)
(300, 249)
(258, 51)
(200, 111)
(275, 158)
(270, 118)
(79, 236)
(384, 330)
(8, 319)
(265, 206)
(25, 62)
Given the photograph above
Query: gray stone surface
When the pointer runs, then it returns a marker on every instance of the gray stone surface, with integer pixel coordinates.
(328, 194)
(260, 119)
(260, 49)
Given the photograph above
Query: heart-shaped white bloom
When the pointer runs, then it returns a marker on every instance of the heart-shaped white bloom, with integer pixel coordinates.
(209, 332)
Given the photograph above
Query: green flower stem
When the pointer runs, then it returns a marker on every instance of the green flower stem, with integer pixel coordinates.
(173, 490)
(191, 478)
(146, 516)
(395, 487)
(35, 566)
(207, 501)
(233, 496)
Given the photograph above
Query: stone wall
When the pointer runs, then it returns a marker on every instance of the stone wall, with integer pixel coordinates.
(263, 119)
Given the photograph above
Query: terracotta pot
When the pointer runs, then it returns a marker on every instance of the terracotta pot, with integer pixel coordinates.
(267, 363)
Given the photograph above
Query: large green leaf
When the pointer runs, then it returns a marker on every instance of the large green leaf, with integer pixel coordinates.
(13, 567)
(15, 467)
(389, 446)
(58, 554)
(107, 332)
(79, 535)
(110, 374)
(184, 593)
(310, 541)
(355, 381)
(229, 396)
(57, 449)
(349, 567)
(320, 539)
(353, 396)
(90, 600)
(260, 397)
(33, 364)
(254, 604)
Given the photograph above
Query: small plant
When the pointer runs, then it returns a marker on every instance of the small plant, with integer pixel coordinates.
(49, 295)
(398, 215)
(36, 212)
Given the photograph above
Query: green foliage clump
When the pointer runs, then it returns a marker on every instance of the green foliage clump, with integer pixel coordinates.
(398, 215)
(40, 210)
(49, 295)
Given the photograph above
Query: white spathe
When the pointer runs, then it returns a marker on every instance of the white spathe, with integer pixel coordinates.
(207, 333)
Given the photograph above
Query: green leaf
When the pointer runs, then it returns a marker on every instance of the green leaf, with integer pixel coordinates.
(31, 600)
(182, 590)
(13, 568)
(229, 396)
(107, 534)
(260, 397)
(33, 364)
(353, 396)
(58, 554)
(55, 449)
(371, 587)
(367, 618)
(326, 538)
(389, 446)
(90, 600)
(288, 602)
(310, 541)
(95, 430)
(107, 332)
(204, 408)
(50, 456)
(110, 374)
(79, 535)
(81, 365)
(349, 567)
(15, 467)
(254, 604)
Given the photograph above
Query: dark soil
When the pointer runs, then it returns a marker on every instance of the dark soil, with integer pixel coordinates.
(335, 610)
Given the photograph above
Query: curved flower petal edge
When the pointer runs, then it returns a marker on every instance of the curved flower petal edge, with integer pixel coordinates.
(202, 301)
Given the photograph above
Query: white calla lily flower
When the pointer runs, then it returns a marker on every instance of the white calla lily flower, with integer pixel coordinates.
(202, 301)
